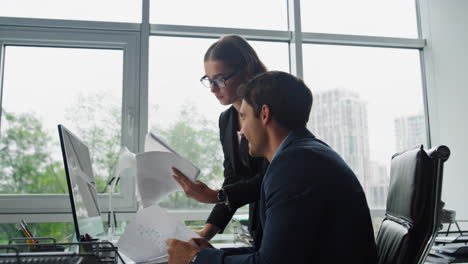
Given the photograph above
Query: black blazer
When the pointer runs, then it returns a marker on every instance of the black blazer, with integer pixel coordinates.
(242, 177)
(313, 210)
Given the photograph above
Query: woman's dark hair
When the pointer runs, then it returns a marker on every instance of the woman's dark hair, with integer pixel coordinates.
(236, 53)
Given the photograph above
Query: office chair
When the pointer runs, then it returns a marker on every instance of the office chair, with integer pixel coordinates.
(449, 217)
(413, 206)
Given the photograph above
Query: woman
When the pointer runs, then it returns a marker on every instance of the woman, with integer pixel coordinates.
(229, 63)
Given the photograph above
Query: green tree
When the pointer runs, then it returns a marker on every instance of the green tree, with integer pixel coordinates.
(197, 139)
(26, 162)
(27, 166)
(98, 124)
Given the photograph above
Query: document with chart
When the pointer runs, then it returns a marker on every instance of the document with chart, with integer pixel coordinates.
(144, 239)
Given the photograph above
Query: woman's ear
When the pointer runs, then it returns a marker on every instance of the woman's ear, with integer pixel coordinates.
(244, 76)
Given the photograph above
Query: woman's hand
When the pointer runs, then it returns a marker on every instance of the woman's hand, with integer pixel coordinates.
(208, 231)
(196, 190)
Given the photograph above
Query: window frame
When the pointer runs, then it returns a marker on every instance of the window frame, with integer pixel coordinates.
(78, 34)
(133, 39)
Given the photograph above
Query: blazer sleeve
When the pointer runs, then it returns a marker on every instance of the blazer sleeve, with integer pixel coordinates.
(293, 221)
(221, 213)
(246, 190)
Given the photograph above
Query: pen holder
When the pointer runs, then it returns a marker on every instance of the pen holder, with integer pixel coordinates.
(104, 251)
(47, 248)
(107, 252)
(38, 246)
(88, 246)
(89, 252)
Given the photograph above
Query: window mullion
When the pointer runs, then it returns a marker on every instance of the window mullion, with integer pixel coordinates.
(295, 44)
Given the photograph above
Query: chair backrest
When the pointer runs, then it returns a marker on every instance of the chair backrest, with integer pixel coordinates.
(413, 206)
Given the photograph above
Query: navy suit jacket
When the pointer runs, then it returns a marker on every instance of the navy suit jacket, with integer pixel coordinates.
(313, 210)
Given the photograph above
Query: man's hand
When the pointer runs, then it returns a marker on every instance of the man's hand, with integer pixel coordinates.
(201, 243)
(196, 190)
(181, 252)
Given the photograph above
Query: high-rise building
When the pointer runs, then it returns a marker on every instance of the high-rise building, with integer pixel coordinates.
(377, 185)
(410, 132)
(339, 117)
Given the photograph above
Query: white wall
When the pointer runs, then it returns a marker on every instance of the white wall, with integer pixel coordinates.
(444, 25)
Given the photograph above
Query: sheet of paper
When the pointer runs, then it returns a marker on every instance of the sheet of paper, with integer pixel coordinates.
(127, 160)
(154, 175)
(152, 143)
(155, 143)
(144, 239)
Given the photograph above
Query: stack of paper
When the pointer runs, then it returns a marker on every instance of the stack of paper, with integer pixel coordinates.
(144, 239)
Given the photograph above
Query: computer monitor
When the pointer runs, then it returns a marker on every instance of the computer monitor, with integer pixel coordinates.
(81, 185)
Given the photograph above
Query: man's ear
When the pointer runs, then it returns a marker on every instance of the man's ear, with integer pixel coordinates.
(265, 114)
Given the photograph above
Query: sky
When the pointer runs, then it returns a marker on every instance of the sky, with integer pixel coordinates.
(389, 80)
(50, 81)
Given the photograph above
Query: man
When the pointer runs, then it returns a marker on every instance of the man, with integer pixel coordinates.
(313, 209)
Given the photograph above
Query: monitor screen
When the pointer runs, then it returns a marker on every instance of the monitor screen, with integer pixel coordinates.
(81, 185)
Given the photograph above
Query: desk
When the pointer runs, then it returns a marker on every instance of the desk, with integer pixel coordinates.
(128, 261)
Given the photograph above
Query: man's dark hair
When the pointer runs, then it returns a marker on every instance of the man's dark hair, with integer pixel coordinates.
(288, 98)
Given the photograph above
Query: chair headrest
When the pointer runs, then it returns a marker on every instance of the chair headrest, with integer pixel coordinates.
(410, 185)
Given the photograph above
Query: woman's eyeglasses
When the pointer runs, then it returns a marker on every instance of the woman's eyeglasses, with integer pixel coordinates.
(219, 82)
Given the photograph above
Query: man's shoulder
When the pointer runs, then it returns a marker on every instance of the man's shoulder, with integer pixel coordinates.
(306, 146)
(308, 156)
(307, 166)
(298, 155)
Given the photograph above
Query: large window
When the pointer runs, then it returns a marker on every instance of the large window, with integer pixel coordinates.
(259, 14)
(43, 87)
(102, 10)
(395, 18)
(368, 105)
(112, 82)
(86, 80)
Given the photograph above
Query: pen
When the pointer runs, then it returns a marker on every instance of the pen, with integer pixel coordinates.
(23, 227)
(21, 230)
